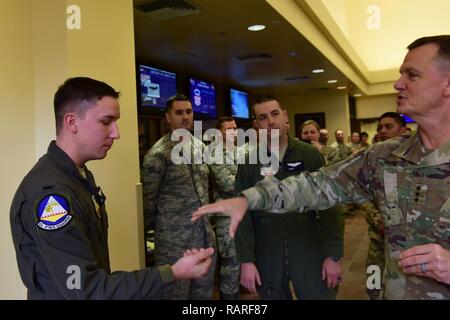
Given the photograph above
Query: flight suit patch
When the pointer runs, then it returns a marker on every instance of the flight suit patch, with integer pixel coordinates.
(53, 212)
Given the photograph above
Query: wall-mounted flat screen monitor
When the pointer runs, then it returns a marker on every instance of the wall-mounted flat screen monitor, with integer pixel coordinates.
(203, 98)
(239, 104)
(156, 86)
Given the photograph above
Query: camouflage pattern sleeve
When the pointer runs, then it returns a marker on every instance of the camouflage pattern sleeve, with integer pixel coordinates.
(152, 174)
(346, 181)
(223, 176)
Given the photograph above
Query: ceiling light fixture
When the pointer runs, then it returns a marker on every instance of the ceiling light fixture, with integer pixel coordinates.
(256, 27)
(332, 81)
(356, 95)
(318, 71)
(342, 87)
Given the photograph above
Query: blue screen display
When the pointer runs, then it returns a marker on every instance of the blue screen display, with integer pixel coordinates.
(408, 119)
(203, 98)
(239, 104)
(156, 86)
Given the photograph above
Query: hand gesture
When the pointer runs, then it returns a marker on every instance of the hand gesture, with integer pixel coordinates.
(194, 264)
(234, 207)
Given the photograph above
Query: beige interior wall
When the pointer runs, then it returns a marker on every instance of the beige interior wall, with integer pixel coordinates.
(335, 106)
(16, 127)
(49, 65)
(37, 53)
(375, 106)
(398, 26)
(104, 49)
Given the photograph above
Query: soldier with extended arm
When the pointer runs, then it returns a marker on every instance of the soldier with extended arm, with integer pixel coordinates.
(406, 177)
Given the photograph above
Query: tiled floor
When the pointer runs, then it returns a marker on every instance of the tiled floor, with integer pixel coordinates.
(356, 243)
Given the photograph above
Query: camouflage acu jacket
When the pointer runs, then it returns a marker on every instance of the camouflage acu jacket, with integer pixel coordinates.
(338, 152)
(408, 183)
(171, 192)
(223, 174)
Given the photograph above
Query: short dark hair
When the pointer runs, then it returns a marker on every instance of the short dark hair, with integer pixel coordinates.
(77, 95)
(394, 115)
(221, 120)
(262, 99)
(172, 99)
(443, 43)
(364, 134)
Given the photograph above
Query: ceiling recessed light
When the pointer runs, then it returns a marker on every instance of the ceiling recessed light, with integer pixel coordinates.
(356, 95)
(318, 71)
(256, 27)
(342, 87)
(332, 81)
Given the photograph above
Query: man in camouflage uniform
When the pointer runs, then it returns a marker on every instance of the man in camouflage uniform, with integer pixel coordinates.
(355, 142)
(226, 172)
(407, 178)
(339, 150)
(390, 125)
(172, 191)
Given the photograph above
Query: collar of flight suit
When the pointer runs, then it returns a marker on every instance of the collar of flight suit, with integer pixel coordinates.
(412, 150)
(59, 156)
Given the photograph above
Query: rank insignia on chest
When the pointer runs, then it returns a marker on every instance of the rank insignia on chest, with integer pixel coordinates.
(53, 212)
(419, 194)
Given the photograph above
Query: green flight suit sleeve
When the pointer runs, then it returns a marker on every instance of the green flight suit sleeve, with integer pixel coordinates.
(67, 254)
(331, 223)
(245, 234)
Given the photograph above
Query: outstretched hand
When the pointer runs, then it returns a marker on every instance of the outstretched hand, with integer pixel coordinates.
(234, 207)
(194, 264)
